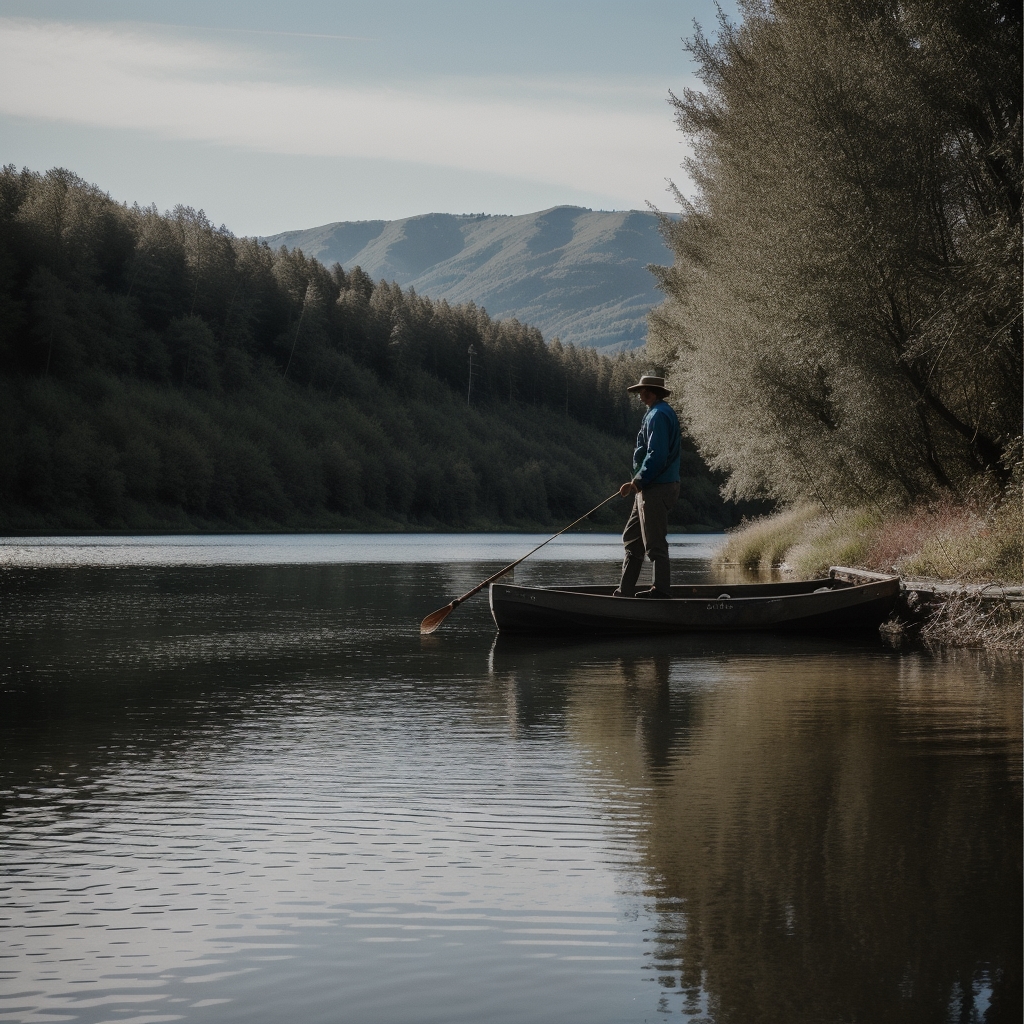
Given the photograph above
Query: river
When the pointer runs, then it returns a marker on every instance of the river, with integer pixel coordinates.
(237, 785)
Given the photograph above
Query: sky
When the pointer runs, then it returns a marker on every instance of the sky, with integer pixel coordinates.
(273, 116)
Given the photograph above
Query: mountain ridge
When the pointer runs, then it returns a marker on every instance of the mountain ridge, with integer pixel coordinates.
(574, 273)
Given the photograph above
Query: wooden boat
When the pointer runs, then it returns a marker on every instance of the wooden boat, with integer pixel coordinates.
(844, 601)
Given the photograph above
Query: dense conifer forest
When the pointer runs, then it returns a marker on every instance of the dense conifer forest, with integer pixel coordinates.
(157, 373)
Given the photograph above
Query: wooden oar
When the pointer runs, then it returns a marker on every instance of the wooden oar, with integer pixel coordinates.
(434, 619)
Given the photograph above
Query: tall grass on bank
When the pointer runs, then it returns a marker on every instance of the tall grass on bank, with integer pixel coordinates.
(974, 546)
(942, 540)
(764, 543)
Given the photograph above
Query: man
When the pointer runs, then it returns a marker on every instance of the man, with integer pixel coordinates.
(656, 486)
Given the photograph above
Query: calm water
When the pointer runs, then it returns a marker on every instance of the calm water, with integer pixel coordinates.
(237, 785)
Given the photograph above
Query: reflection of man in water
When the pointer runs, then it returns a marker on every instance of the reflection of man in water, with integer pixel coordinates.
(656, 486)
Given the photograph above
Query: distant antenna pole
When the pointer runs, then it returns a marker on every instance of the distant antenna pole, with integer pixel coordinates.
(298, 326)
(469, 393)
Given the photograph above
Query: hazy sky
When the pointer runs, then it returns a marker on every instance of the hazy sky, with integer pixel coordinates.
(273, 116)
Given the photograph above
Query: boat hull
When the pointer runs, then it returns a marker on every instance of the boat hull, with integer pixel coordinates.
(812, 606)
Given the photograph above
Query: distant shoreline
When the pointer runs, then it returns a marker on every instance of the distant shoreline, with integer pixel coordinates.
(419, 531)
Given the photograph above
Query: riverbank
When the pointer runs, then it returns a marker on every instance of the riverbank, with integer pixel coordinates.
(959, 545)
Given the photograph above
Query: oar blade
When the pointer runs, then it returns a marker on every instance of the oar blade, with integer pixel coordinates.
(434, 619)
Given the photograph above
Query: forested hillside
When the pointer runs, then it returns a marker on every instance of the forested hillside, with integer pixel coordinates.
(580, 275)
(844, 311)
(160, 374)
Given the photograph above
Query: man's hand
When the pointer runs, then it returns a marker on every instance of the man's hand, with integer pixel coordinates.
(627, 489)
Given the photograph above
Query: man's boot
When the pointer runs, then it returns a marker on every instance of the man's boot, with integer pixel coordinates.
(631, 566)
(662, 579)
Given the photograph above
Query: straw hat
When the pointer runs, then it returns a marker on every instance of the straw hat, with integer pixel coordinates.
(654, 383)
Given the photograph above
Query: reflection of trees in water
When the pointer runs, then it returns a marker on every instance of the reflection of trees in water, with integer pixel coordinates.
(828, 838)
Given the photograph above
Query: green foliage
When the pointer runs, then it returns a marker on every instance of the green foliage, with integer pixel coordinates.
(843, 316)
(158, 373)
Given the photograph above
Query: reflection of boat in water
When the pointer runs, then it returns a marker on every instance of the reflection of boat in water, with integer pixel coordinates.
(835, 604)
(550, 653)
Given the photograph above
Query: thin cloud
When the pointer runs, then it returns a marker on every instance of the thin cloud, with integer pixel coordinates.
(114, 77)
(261, 32)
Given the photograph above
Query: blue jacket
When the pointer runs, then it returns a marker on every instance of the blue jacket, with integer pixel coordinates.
(656, 457)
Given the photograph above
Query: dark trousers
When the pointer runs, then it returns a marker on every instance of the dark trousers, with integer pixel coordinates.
(646, 532)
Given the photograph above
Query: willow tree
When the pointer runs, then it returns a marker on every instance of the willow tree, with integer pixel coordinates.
(843, 313)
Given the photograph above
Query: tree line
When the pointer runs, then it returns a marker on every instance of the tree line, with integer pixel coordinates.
(843, 316)
(160, 373)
